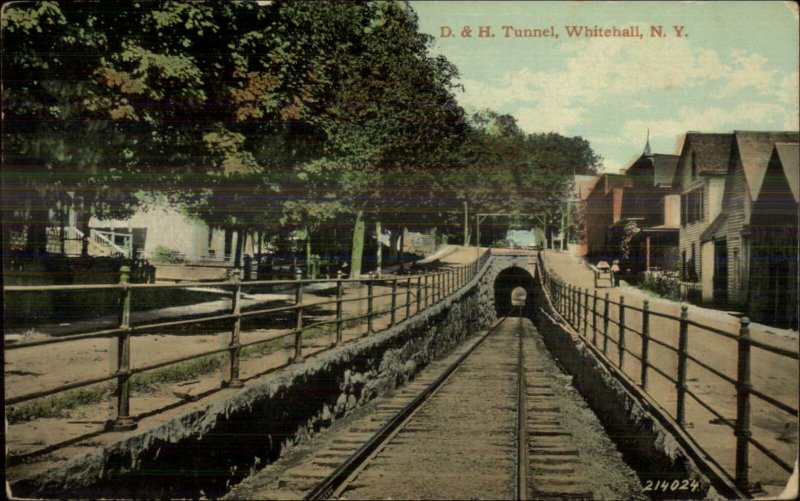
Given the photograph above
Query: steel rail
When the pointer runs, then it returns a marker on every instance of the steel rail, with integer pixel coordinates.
(522, 423)
(331, 486)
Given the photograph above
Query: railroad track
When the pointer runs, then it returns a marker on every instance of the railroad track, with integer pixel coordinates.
(494, 420)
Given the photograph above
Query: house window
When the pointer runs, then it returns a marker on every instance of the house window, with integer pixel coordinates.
(694, 165)
(692, 207)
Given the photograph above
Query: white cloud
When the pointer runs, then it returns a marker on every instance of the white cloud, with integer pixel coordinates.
(744, 116)
(748, 71)
(624, 72)
(547, 117)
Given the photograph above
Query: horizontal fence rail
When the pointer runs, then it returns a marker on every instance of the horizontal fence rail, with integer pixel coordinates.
(421, 291)
(589, 312)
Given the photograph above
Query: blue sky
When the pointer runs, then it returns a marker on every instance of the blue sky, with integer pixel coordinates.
(737, 68)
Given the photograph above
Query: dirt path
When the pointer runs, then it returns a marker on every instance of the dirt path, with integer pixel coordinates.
(772, 374)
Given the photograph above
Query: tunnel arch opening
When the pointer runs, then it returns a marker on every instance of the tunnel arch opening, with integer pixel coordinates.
(514, 292)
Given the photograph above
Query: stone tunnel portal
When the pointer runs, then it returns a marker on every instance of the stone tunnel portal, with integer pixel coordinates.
(514, 292)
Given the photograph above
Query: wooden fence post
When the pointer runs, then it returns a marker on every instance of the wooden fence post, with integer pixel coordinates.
(683, 339)
(594, 318)
(339, 294)
(394, 302)
(621, 337)
(235, 341)
(568, 303)
(645, 341)
(425, 292)
(575, 306)
(419, 293)
(408, 297)
(123, 420)
(298, 335)
(585, 311)
(742, 430)
(605, 325)
(369, 304)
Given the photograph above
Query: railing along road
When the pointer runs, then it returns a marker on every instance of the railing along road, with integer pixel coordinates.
(421, 291)
(589, 315)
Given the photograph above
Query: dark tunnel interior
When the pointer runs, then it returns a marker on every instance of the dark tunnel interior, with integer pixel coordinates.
(507, 285)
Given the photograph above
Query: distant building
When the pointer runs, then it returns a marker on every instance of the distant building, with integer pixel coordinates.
(772, 293)
(700, 181)
(603, 208)
(165, 229)
(639, 206)
(758, 183)
(582, 187)
(650, 211)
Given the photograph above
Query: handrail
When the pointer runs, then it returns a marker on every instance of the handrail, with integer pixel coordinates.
(442, 285)
(101, 239)
(573, 305)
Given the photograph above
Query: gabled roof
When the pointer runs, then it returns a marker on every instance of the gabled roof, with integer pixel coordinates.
(755, 149)
(605, 183)
(716, 225)
(584, 185)
(660, 166)
(789, 156)
(712, 151)
(664, 168)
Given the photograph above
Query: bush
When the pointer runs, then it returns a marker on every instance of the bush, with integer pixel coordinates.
(165, 255)
(664, 284)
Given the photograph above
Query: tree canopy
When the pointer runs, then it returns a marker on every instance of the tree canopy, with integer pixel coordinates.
(257, 116)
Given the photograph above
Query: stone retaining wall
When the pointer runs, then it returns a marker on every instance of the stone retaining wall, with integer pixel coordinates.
(643, 432)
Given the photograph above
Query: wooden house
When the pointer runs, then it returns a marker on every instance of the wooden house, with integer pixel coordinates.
(772, 293)
(650, 205)
(700, 182)
(754, 240)
(642, 198)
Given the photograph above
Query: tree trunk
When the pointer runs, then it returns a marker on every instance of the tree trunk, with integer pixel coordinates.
(394, 237)
(86, 214)
(402, 244)
(308, 252)
(62, 222)
(240, 236)
(466, 224)
(379, 253)
(358, 245)
(37, 231)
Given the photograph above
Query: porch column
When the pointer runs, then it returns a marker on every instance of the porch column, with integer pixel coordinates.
(647, 253)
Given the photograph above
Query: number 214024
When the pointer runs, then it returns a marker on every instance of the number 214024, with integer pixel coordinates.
(671, 486)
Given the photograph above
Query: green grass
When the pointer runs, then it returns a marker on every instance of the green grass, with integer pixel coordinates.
(55, 406)
(145, 381)
(52, 407)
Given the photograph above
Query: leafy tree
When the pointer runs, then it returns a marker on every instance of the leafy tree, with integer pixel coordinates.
(507, 171)
(393, 120)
